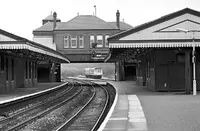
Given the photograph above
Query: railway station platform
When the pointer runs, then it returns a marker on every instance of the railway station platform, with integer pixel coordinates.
(160, 111)
(21, 92)
(127, 115)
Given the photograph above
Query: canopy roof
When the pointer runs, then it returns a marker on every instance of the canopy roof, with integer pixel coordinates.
(162, 32)
(155, 44)
(9, 41)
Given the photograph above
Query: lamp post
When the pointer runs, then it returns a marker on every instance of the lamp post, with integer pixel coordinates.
(193, 58)
(194, 67)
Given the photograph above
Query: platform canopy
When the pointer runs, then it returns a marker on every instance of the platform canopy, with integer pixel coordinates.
(135, 44)
(180, 29)
(163, 32)
(13, 43)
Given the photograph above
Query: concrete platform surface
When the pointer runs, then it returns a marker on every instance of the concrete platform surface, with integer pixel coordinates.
(128, 113)
(20, 92)
(139, 109)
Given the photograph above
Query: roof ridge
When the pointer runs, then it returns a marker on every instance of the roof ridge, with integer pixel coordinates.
(85, 22)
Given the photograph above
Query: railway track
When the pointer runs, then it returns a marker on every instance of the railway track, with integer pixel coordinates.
(11, 108)
(79, 107)
(88, 117)
(24, 115)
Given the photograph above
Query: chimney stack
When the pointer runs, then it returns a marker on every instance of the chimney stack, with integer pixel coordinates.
(54, 20)
(118, 19)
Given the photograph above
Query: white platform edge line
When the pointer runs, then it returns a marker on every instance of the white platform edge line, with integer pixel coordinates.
(32, 94)
(131, 119)
(102, 126)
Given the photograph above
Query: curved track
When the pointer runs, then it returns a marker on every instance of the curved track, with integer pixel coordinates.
(88, 117)
(78, 107)
(22, 116)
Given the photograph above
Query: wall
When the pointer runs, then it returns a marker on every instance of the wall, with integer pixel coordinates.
(170, 74)
(197, 68)
(45, 40)
(81, 54)
(150, 71)
(145, 71)
(12, 77)
(141, 71)
(120, 73)
(20, 66)
(3, 75)
(30, 79)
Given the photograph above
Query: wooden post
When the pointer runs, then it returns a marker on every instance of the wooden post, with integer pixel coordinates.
(188, 82)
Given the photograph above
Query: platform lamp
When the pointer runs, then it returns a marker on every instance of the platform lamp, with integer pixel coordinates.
(193, 58)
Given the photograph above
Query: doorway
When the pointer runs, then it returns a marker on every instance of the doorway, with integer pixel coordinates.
(130, 72)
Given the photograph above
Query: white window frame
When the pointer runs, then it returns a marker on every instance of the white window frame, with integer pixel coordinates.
(92, 40)
(66, 42)
(81, 38)
(74, 38)
(99, 38)
(106, 40)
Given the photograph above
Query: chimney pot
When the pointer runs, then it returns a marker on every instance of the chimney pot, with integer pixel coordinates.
(54, 20)
(118, 19)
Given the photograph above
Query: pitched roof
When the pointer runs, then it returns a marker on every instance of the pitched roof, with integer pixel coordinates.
(49, 25)
(18, 38)
(46, 27)
(78, 23)
(123, 25)
(85, 22)
(155, 22)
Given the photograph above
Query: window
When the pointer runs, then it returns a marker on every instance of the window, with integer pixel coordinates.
(66, 41)
(73, 42)
(91, 40)
(100, 41)
(106, 40)
(81, 42)
(2, 63)
(13, 67)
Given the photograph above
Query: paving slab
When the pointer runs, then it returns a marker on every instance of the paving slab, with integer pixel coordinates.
(128, 113)
(157, 111)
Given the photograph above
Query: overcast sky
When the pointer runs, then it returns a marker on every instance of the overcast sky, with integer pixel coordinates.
(21, 17)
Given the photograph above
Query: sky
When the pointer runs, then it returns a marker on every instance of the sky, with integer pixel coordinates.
(21, 17)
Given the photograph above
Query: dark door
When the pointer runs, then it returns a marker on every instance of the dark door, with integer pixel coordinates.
(43, 74)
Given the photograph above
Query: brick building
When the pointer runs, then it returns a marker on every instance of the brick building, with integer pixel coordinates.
(81, 39)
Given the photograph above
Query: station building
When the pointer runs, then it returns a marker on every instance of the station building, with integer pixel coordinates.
(19, 60)
(81, 39)
(166, 51)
